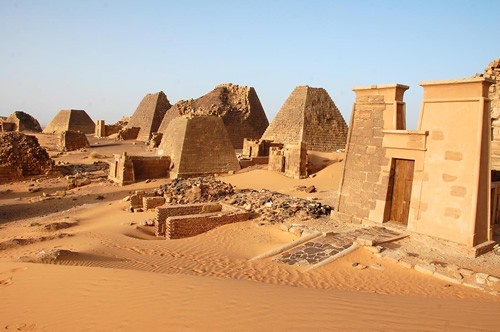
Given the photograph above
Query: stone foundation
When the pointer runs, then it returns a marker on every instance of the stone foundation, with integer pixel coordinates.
(73, 140)
(291, 160)
(129, 169)
(180, 221)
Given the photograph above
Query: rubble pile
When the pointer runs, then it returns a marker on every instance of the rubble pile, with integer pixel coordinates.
(271, 206)
(194, 190)
(275, 207)
(24, 153)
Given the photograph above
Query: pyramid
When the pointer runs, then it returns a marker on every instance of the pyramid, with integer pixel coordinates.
(149, 114)
(75, 120)
(24, 121)
(198, 146)
(309, 116)
(238, 106)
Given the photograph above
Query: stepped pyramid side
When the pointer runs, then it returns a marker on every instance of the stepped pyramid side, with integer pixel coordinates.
(238, 106)
(76, 120)
(81, 121)
(198, 146)
(287, 126)
(324, 127)
(309, 116)
(149, 114)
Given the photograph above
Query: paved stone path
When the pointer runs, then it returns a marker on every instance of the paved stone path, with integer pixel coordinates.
(319, 249)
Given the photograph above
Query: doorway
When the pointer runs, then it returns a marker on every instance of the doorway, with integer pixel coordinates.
(401, 182)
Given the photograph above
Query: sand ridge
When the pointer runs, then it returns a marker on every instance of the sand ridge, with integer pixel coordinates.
(90, 264)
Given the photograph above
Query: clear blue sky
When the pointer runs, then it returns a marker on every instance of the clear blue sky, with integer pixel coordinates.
(104, 56)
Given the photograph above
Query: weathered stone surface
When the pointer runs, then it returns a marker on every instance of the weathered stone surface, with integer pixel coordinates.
(363, 183)
(72, 140)
(238, 106)
(75, 120)
(309, 116)
(198, 146)
(282, 206)
(492, 71)
(149, 114)
(23, 122)
(319, 249)
(21, 155)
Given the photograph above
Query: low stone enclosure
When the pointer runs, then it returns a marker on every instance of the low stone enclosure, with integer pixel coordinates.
(435, 180)
(72, 140)
(291, 160)
(127, 169)
(186, 220)
(104, 130)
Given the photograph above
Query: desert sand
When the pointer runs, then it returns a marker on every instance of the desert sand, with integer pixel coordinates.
(83, 262)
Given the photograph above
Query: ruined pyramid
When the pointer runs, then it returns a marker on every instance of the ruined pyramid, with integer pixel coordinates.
(149, 114)
(198, 146)
(309, 116)
(23, 121)
(238, 106)
(75, 120)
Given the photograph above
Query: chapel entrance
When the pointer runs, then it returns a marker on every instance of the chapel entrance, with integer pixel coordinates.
(401, 180)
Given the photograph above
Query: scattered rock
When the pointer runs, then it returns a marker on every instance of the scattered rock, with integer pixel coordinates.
(310, 189)
(377, 266)
(34, 189)
(465, 272)
(272, 206)
(374, 249)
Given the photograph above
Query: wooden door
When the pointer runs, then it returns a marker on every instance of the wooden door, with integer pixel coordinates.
(401, 190)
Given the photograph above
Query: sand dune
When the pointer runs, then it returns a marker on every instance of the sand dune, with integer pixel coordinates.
(84, 299)
(89, 265)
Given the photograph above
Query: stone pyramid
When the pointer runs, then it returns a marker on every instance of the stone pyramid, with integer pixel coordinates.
(309, 116)
(75, 120)
(24, 121)
(198, 146)
(238, 106)
(149, 114)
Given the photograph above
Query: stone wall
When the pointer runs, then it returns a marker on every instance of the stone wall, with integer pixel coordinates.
(492, 71)
(7, 126)
(127, 169)
(128, 133)
(164, 212)
(100, 129)
(238, 106)
(152, 202)
(149, 114)
(362, 184)
(23, 155)
(291, 160)
(104, 130)
(186, 226)
(255, 148)
(198, 146)
(309, 116)
(72, 140)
